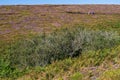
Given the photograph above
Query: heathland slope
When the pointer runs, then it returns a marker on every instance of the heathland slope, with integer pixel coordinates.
(59, 42)
(24, 19)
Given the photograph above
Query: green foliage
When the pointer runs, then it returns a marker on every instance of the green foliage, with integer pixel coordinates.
(45, 49)
(5, 68)
(77, 76)
(111, 75)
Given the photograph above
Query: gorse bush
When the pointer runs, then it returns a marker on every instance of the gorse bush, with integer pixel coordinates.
(44, 49)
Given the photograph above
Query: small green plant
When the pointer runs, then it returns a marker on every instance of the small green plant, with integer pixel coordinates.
(76, 76)
(110, 75)
(5, 68)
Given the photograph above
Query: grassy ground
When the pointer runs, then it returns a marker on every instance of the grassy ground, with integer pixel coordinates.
(23, 30)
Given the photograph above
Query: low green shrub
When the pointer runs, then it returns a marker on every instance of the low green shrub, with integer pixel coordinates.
(44, 49)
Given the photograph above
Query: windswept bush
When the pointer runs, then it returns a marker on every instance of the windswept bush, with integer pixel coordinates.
(44, 49)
